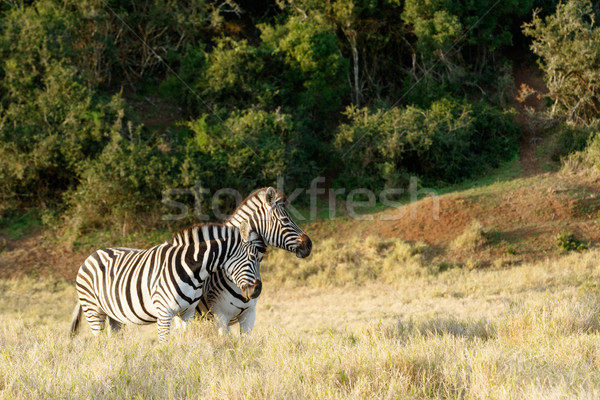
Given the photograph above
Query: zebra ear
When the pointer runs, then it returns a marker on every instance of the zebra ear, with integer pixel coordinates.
(270, 196)
(245, 231)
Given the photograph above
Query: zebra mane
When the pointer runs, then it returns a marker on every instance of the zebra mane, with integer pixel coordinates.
(181, 234)
(280, 198)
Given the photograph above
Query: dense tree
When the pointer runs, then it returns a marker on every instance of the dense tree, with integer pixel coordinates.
(366, 91)
(449, 141)
(568, 44)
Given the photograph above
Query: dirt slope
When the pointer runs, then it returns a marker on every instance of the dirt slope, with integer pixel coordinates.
(521, 219)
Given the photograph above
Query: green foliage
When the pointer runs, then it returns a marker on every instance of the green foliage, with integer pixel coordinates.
(295, 65)
(49, 120)
(585, 159)
(17, 223)
(126, 42)
(254, 92)
(191, 62)
(458, 45)
(238, 74)
(246, 151)
(567, 139)
(567, 242)
(435, 27)
(450, 141)
(373, 37)
(568, 44)
(125, 182)
(315, 77)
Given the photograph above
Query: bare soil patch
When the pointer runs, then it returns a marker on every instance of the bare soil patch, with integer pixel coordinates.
(520, 223)
(34, 255)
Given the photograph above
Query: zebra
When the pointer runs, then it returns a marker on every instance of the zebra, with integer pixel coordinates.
(265, 211)
(135, 286)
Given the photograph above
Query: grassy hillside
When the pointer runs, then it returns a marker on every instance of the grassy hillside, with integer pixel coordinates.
(408, 308)
(503, 219)
(485, 287)
(531, 331)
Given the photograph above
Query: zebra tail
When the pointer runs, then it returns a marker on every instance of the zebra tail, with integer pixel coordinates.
(76, 318)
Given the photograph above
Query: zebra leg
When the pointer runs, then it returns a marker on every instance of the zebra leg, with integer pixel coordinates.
(95, 317)
(246, 321)
(164, 327)
(115, 326)
(222, 324)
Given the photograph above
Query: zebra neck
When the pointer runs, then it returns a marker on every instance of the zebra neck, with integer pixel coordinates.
(204, 245)
(236, 219)
(204, 233)
(262, 244)
(248, 210)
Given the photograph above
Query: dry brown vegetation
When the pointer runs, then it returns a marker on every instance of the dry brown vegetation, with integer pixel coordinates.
(405, 308)
(530, 331)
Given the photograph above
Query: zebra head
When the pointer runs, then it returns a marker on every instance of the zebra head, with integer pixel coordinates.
(243, 269)
(278, 229)
(265, 211)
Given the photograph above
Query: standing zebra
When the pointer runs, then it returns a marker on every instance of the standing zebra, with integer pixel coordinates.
(145, 286)
(265, 211)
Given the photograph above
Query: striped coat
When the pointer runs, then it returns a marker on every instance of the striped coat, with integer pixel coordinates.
(133, 286)
(265, 211)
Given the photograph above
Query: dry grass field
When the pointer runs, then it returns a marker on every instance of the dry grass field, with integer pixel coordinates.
(485, 289)
(483, 303)
(404, 330)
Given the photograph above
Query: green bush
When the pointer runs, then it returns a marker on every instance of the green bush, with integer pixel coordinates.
(315, 75)
(450, 141)
(568, 44)
(587, 159)
(567, 242)
(123, 186)
(238, 74)
(567, 139)
(458, 45)
(295, 65)
(182, 88)
(126, 42)
(245, 151)
(50, 120)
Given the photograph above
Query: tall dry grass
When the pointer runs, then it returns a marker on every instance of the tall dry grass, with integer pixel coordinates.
(354, 260)
(526, 332)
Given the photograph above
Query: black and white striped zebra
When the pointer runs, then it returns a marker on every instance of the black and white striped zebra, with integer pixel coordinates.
(265, 211)
(133, 286)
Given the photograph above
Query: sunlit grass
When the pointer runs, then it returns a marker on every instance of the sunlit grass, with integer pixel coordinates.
(336, 262)
(531, 331)
(474, 236)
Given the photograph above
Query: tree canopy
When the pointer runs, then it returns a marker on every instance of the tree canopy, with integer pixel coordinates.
(105, 105)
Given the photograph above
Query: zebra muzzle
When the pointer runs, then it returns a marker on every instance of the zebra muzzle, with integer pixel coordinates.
(304, 246)
(251, 291)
